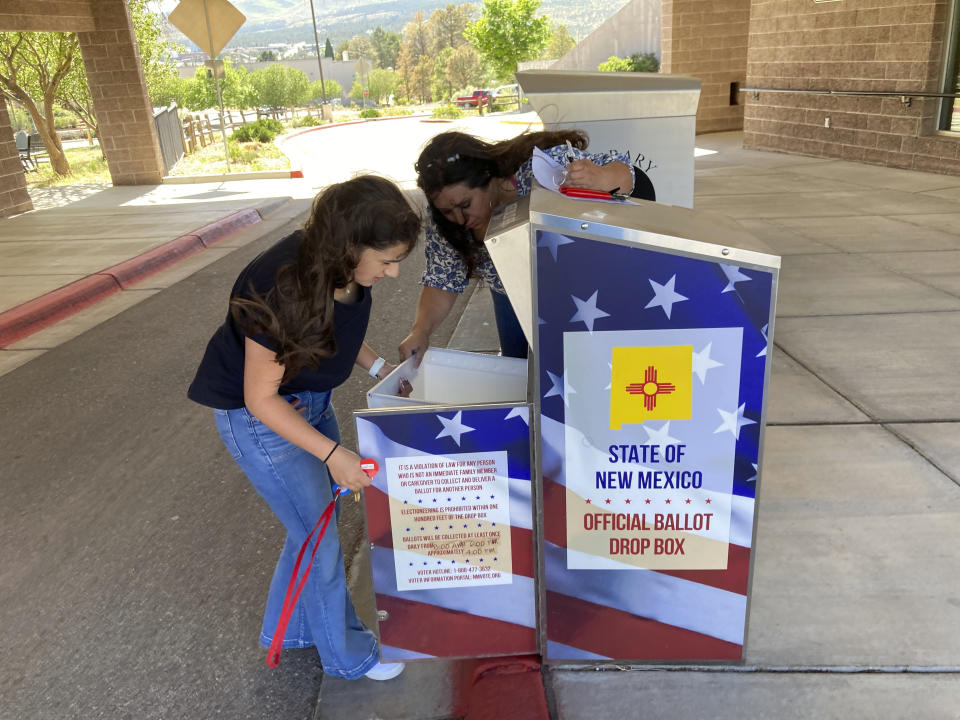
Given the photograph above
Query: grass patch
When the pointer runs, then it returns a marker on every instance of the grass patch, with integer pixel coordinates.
(244, 157)
(87, 165)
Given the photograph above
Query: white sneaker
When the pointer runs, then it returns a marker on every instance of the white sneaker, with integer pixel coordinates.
(384, 671)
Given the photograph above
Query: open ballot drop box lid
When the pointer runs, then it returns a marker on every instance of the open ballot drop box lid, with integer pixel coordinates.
(629, 537)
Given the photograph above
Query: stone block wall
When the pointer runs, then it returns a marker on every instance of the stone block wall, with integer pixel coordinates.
(46, 15)
(116, 83)
(119, 93)
(873, 45)
(13, 187)
(707, 39)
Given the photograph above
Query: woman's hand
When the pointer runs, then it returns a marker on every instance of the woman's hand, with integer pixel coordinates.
(587, 174)
(344, 467)
(416, 343)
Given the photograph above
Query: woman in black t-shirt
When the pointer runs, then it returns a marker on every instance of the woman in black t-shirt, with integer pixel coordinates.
(297, 319)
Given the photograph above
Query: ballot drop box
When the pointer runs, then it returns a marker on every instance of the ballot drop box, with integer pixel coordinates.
(605, 509)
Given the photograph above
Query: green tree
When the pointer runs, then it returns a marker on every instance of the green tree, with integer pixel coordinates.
(32, 67)
(446, 27)
(646, 62)
(615, 64)
(507, 33)
(415, 45)
(382, 83)
(342, 48)
(39, 70)
(267, 56)
(362, 47)
(236, 89)
(386, 47)
(465, 68)
(333, 88)
(328, 49)
(559, 44)
(280, 86)
(440, 84)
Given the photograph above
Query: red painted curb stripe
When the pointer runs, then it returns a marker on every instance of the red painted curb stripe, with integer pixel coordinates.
(136, 269)
(23, 320)
(36, 314)
(218, 230)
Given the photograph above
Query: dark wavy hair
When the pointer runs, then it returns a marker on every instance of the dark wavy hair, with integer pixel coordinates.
(367, 212)
(454, 157)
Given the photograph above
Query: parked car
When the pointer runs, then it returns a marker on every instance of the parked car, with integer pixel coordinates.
(513, 89)
(477, 98)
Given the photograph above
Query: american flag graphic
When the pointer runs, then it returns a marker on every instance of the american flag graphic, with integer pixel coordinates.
(451, 480)
(615, 599)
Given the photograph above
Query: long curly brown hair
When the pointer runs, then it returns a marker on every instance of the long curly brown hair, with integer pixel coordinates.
(454, 157)
(366, 212)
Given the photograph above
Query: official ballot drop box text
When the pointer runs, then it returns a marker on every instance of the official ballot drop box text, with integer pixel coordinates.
(628, 536)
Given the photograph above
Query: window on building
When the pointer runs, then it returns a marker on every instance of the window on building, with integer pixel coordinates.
(950, 107)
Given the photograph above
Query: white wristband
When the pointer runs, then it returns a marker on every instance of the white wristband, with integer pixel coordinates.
(376, 367)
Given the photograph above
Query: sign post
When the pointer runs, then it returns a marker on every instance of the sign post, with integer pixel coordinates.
(210, 24)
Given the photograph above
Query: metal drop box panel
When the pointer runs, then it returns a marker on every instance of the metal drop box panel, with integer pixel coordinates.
(614, 518)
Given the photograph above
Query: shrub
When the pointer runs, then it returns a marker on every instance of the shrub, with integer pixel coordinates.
(370, 113)
(64, 119)
(451, 112)
(263, 130)
(305, 121)
(647, 62)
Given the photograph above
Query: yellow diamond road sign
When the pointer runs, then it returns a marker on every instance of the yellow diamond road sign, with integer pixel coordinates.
(190, 18)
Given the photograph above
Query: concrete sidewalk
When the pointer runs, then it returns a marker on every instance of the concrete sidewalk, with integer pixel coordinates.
(74, 263)
(856, 592)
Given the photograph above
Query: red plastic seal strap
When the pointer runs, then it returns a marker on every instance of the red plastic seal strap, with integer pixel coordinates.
(369, 466)
(290, 599)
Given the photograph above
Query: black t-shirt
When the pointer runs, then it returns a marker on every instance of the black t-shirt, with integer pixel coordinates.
(219, 379)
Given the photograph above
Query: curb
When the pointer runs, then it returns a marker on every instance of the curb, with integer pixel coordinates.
(224, 177)
(359, 121)
(41, 312)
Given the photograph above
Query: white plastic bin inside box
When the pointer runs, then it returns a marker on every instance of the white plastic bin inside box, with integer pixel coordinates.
(453, 377)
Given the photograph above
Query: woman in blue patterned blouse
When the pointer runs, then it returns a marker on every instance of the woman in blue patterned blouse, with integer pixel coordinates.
(465, 179)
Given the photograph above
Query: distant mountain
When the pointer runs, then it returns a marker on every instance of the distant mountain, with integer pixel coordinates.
(288, 21)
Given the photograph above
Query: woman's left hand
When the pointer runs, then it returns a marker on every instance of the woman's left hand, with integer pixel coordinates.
(385, 370)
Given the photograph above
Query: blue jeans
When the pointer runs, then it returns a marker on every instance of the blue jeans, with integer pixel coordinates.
(513, 343)
(297, 487)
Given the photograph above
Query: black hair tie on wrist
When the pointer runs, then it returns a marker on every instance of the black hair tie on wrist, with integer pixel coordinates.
(331, 452)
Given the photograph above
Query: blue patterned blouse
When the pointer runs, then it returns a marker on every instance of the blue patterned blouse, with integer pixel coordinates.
(446, 271)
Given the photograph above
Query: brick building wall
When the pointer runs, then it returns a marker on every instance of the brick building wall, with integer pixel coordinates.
(117, 86)
(119, 92)
(708, 40)
(46, 15)
(13, 187)
(878, 45)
